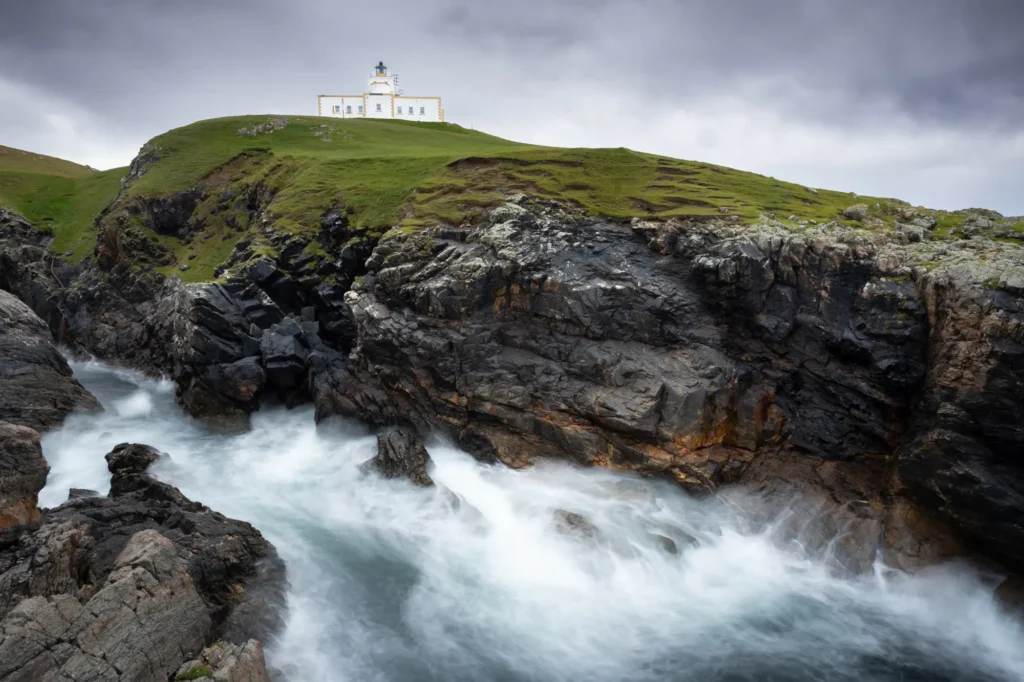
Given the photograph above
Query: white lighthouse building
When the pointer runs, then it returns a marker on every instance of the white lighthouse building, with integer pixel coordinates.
(383, 100)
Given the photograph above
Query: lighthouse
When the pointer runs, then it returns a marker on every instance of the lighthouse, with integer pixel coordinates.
(382, 99)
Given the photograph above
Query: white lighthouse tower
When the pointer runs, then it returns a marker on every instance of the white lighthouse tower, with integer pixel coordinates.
(382, 99)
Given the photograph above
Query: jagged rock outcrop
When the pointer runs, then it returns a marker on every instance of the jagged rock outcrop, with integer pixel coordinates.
(22, 475)
(36, 386)
(710, 352)
(224, 344)
(400, 453)
(140, 624)
(236, 572)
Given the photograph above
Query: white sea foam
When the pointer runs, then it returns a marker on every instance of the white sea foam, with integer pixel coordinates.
(471, 580)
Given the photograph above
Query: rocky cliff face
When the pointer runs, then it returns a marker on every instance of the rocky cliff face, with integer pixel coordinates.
(36, 386)
(709, 352)
(37, 392)
(875, 370)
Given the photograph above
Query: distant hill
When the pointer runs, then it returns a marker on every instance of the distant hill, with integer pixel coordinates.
(57, 195)
(18, 160)
(387, 175)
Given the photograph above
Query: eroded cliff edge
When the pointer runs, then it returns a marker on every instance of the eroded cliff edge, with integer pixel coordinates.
(875, 370)
(866, 367)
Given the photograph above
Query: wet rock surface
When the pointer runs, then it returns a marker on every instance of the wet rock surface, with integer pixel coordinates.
(36, 386)
(22, 475)
(707, 352)
(237, 574)
(400, 453)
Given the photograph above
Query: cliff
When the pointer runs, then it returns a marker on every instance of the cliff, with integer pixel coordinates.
(617, 309)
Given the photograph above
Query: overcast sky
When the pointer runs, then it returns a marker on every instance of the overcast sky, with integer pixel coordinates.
(919, 99)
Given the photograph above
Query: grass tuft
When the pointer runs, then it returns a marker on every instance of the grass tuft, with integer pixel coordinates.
(195, 673)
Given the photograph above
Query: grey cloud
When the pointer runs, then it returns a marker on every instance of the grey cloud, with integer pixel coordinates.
(935, 58)
(142, 66)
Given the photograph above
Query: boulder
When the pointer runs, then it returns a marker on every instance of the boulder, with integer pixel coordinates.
(23, 473)
(130, 458)
(856, 212)
(400, 452)
(36, 386)
(926, 222)
(575, 525)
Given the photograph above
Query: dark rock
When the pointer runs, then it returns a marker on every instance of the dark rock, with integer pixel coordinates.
(284, 354)
(334, 226)
(81, 493)
(715, 348)
(36, 386)
(131, 458)
(400, 452)
(241, 381)
(576, 525)
(22, 475)
(236, 572)
(336, 321)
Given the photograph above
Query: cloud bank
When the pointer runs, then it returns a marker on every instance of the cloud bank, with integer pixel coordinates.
(919, 99)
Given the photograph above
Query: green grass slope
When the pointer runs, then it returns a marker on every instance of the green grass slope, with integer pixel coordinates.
(395, 172)
(59, 196)
(12, 159)
(387, 175)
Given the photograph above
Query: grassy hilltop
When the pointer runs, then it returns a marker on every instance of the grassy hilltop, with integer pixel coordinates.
(387, 174)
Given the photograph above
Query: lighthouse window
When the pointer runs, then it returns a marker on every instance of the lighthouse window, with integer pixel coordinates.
(360, 108)
(423, 110)
(348, 109)
(337, 109)
(378, 107)
(399, 109)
